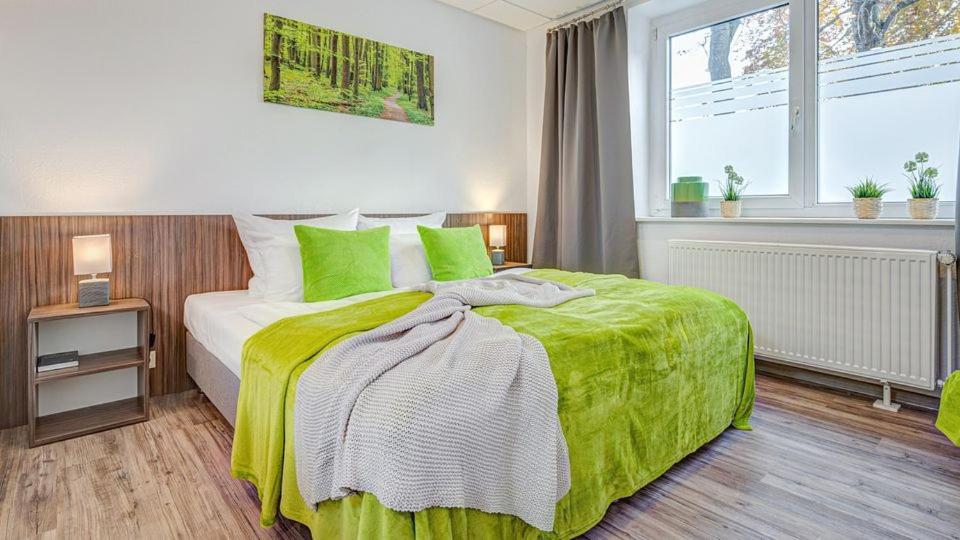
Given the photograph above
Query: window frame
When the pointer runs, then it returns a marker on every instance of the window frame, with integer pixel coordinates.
(803, 104)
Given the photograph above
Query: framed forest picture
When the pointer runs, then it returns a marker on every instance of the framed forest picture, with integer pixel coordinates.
(317, 68)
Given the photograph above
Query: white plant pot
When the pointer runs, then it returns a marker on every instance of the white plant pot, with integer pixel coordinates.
(867, 208)
(923, 208)
(730, 209)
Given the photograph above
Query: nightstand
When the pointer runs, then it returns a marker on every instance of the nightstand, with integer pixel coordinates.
(85, 420)
(508, 265)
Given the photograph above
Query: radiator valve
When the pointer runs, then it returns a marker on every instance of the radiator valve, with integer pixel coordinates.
(946, 258)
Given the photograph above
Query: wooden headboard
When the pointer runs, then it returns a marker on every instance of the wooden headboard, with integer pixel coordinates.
(163, 259)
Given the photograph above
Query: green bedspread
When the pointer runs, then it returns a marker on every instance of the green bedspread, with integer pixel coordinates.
(948, 419)
(646, 373)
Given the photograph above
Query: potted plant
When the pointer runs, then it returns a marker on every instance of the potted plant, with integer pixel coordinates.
(868, 198)
(924, 188)
(731, 190)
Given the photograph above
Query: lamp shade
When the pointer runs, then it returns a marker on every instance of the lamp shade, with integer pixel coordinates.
(92, 254)
(498, 235)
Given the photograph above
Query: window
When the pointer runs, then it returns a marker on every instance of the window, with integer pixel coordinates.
(806, 97)
(728, 97)
(888, 84)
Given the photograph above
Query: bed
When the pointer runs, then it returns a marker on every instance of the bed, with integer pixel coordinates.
(646, 374)
(219, 323)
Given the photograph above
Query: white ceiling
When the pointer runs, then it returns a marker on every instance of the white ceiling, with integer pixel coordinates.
(522, 14)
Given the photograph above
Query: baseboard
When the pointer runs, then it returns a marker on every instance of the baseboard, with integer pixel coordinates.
(819, 379)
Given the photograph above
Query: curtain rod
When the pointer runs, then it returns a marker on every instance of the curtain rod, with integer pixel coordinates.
(594, 9)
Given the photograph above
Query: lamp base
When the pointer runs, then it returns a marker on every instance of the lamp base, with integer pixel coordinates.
(94, 292)
(497, 257)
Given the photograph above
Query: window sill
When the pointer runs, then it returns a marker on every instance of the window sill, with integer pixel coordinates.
(888, 222)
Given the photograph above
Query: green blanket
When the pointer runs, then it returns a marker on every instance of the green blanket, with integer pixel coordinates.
(646, 373)
(948, 419)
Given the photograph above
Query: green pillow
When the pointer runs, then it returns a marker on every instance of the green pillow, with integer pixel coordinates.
(337, 264)
(455, 253)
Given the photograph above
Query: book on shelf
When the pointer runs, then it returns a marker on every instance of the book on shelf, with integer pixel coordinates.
(50, 362)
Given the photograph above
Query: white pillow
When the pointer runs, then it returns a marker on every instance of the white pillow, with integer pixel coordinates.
(255, 285)
(274, 253)
(408, 259)
(403, 225)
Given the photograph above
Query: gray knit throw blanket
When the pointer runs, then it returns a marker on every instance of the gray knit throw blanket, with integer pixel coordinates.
(439, 408)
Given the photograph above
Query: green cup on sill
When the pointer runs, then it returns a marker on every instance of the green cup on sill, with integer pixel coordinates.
(689, 196)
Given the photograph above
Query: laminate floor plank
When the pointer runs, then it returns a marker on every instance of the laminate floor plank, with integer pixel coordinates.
(818, 464)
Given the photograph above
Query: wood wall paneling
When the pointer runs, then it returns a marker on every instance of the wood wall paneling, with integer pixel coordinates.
(163, 259)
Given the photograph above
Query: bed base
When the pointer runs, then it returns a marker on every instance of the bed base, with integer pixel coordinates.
(216, 381)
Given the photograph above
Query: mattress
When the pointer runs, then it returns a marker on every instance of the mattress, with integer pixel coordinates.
(223, 321)
(216, 322)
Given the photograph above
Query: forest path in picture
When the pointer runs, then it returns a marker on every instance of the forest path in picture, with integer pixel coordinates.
(313, 67)
(392, 111)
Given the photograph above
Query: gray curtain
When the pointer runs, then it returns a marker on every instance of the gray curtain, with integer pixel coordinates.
(585, 212)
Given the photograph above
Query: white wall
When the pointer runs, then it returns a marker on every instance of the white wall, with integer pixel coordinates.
(639, 40)
(536, 81)
(154, 107)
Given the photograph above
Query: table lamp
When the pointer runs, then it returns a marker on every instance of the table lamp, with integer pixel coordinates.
(498, 239)
(92, 255)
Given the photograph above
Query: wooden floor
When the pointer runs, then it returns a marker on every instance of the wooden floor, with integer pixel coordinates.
(817, 465)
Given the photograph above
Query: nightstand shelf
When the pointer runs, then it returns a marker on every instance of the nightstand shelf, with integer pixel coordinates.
(69, 424)
(74, 423)
(95, 363)
(72, 311)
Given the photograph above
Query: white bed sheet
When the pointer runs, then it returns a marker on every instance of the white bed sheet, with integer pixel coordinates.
(223, 321)
(215, 321)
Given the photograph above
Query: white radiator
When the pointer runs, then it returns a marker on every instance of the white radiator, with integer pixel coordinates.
(860, 311)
